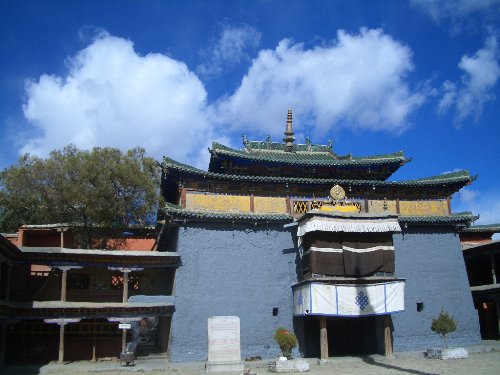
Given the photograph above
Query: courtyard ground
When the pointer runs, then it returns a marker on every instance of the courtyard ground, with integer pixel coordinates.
(483, 359)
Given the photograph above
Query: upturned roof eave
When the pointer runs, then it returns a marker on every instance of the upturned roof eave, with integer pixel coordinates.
(456, 219)
(487, 228)
(176, 212)
(460, 178)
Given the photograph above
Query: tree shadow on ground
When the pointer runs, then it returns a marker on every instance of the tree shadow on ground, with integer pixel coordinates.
(371, 361)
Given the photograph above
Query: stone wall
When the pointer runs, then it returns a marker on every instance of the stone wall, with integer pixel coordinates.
(247, 270)
(431, 261)
(241, 270)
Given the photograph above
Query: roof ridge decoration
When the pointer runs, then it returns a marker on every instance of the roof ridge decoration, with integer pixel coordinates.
(289, 134)
(274, 151)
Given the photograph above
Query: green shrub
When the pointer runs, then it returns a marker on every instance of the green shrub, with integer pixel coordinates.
(286, 341)
(444, 324)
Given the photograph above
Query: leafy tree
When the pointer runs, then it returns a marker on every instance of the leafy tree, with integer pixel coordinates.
(444, 324)
(99, 193)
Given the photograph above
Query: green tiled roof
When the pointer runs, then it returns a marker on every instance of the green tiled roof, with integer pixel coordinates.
(320, 155)
(489, 228)
(461, 178)
(461, 218)
(182, 213)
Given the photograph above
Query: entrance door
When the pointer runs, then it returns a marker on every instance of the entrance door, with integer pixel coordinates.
(346, 336)
(352, 336)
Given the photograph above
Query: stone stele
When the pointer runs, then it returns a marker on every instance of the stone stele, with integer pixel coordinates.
(224, 353)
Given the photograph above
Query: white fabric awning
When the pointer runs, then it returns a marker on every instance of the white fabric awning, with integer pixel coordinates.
(317, 298)
(341, 224)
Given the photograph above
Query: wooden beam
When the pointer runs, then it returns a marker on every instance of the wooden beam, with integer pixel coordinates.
(61, 322)
(64, 284)
(125, 286)
(3, 341)
(7, 284)
(124, 340)
(183, 197)
(498, 315)
(387, 336)
(61, 343)
(493, 270)
(323, 338)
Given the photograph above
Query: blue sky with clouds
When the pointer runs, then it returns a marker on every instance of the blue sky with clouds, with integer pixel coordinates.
(375, 76)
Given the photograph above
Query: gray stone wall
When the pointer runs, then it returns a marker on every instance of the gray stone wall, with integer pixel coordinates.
(241, 270)
(431, 260)
(247, 270)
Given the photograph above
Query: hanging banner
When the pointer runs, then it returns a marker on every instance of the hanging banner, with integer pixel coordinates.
(358, 224)
(317, 298)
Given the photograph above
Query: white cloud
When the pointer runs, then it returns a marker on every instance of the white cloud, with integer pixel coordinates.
(486, 204)
(114, 97)
(359, 81)
(468, 195)
(481, 73)
(229, 50)
(455, 9)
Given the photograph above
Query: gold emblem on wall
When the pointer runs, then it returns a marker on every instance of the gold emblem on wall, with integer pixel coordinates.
(337, 193)
(339, 203)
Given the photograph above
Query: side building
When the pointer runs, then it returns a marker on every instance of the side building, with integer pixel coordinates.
(294, 235)
(58, 302)
(482, 260)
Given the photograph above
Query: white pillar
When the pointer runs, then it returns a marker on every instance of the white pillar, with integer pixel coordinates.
(61, 323)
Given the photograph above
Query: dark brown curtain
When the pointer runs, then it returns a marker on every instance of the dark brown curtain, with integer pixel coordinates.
(362, 254)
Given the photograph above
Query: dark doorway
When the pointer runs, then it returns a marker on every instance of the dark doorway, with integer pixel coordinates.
(346, 336)
(352, 336)
(488, 319)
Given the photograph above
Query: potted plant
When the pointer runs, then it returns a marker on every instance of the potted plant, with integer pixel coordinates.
(444, 324)
(286, 341)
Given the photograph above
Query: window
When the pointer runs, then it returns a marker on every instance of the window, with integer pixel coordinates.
(117, 282)
(78, 281)
(40, 270)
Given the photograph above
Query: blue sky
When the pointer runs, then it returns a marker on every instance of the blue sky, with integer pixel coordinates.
(171, 76)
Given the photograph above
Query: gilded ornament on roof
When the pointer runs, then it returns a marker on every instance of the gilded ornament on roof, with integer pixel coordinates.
(337, 192)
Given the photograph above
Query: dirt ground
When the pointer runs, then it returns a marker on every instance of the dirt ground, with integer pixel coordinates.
(482, 360)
